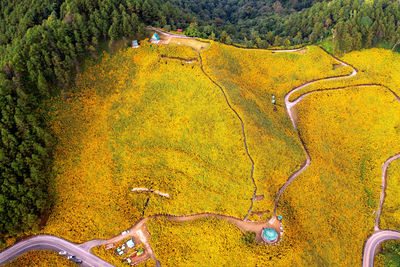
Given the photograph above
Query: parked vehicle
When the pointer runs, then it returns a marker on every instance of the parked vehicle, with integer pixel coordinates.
(77, 260)
(71, 257)
(125, 232)
(128, 260)
(62, 252)
(139, 252)
(119, 251)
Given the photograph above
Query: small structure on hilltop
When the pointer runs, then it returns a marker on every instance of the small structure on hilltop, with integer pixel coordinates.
(135, 44)
(155, 39)
(269, 235)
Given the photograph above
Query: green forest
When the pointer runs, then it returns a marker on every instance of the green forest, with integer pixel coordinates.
(349, 24)
(43, 45)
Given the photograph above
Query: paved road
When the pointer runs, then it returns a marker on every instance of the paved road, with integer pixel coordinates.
(383, 192)
(379, 236)
(48, 242)
(289, 105)
(374, 241)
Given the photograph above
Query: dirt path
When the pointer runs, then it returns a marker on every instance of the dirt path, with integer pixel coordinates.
(186, 60)
(168, 33)
(243, 133)
(139, 230)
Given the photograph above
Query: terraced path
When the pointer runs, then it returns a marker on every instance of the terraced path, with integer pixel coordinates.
(83, 250)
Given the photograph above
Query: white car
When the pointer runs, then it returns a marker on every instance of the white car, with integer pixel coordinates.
(62, 252)
(71, 257)
(125, 232)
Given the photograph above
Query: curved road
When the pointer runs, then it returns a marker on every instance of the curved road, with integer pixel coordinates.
(49, 242)
(379, 236)
(374, 241)
(383, 192)
(289, 106)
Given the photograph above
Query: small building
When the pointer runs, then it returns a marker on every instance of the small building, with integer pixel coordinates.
(179, 30)
(269, 235)
(155, 39)
(135, 44)
(130, 243)
(280, 217)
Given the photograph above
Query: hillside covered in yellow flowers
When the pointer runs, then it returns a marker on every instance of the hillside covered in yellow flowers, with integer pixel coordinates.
(194, 125)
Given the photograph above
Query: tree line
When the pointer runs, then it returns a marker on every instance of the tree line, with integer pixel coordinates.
(350, 24)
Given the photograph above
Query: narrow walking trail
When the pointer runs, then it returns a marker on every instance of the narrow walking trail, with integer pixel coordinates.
(380, 236)
(243, 133)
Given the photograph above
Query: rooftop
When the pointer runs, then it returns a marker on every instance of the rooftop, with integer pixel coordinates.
(269, 234)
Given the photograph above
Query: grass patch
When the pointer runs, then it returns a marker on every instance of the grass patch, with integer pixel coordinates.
(390, 254)
(327, 44)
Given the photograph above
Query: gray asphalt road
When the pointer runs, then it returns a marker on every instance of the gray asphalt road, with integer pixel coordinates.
(289, 105)
(374, 241)
(384, 184)
(48, 242)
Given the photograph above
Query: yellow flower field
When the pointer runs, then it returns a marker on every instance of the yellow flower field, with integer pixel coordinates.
(250, 77)
(139, 120)
(349, 134)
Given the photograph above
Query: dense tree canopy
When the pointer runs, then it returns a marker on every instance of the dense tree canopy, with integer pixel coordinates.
(352, 24)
